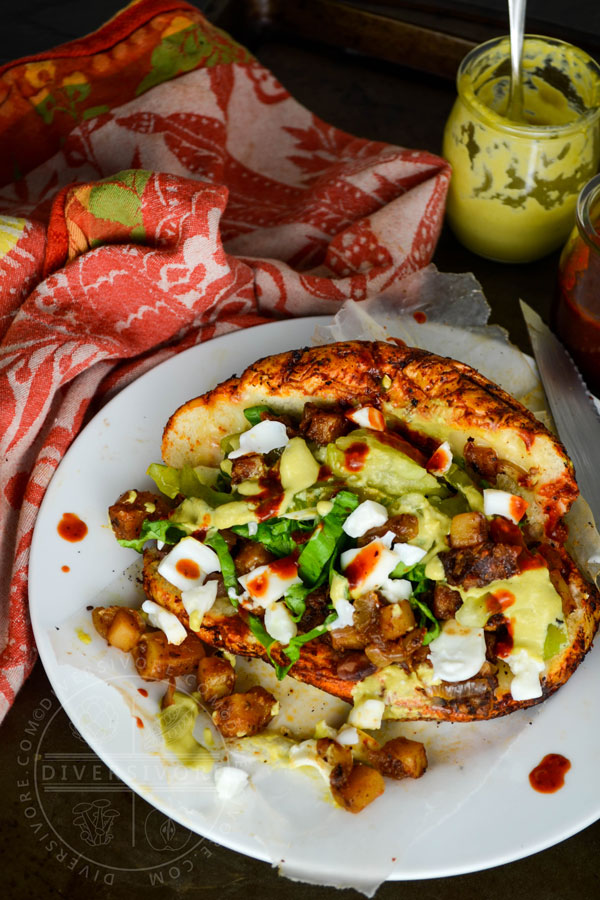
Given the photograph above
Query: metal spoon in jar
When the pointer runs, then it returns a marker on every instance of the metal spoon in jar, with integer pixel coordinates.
(516, 17)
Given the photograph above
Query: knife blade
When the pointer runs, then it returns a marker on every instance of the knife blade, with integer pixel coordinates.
(571, 404)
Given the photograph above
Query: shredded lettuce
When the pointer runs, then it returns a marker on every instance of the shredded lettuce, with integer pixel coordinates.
(275, 534)
(292, 651)
(219, 545)
(421, 584)
(187, 481)
(327, 539)
(161, 530)
(254, 413)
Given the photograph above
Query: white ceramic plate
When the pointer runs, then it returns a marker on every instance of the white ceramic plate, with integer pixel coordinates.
(474, 808)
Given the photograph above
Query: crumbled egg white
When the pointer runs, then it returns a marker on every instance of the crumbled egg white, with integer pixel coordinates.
(441, 460)
(408, 554)
(367, 417)
(458, 652)
(345, 611)
(367, 714)
(382, 564)
(166, 621)
(196, 552)
(525, 684)
(502, 503)
(197, 601)
(264, 585)
(229, 781)
(252, 528)
(279, 623)
(396, 589)
(261, 438)
(367, 515)
(305, 754)
(347, 736)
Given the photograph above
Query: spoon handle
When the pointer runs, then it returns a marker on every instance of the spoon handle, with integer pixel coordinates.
(516, 17)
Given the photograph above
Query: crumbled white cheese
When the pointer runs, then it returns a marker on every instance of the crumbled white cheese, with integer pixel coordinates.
(197, 601)
(367, 417)
(525, 684)
(396, 589)
(264, 585)
(441, 460)
(347, 736)
(408, 553)
(345, 611)
(502, 503)
(305, 754)
(374, 563)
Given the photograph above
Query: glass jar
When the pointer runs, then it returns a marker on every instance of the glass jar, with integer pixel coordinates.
(515, 184)
(576, 313)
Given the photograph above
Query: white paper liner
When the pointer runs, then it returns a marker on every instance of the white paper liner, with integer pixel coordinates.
(283, 809)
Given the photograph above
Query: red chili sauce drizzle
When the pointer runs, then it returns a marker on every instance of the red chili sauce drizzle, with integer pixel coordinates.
(324, 473)
(270, 498)
(398, 443)
(362, 564)
(549, 776)
(143, 692)
(285, 568)
(499, 600)
(438, 461)
(71, 528)
(420, 317)
(504, 639)
(269, 508)
(200, 534)
(528, 561)
(188, 568)
(139, 722)
(355, 456)
(503, 531)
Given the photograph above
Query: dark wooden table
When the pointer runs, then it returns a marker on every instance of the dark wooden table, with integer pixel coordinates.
(370, 99)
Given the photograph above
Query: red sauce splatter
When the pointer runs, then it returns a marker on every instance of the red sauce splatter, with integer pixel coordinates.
(528, 561)
(363, 563)
(200, 534)
(517, 507)
(394, 440)
(549, 776)
(139, 722)
(65, 568)
(284, 568)
(268, 508)
(188, 568)
(259, 585)
(498, 601)
(502, 531)
(439, 461)
(504, 639)
(324, 473)
(143, 692)
(420, 317)
(72, 528)
(375, 417)
(355, 456)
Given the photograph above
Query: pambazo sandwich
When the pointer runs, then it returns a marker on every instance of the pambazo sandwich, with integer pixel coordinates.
(380, 522)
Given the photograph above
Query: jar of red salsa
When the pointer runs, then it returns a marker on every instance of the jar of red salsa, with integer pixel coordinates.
(577, 307)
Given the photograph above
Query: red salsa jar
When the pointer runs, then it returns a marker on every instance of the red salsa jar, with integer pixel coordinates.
(577, 307)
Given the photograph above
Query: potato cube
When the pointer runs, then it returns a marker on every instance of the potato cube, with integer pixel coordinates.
(395, 620)
(125, 630)
(468, 529)
(358, 789)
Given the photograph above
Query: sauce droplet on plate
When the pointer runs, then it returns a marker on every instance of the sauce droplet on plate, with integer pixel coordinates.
(420, 317)
(139, 722)
(549, 776)
(71, 528)
(65, 568)
(143, 692)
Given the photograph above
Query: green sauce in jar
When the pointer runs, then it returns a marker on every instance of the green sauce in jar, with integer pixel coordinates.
(515, 184)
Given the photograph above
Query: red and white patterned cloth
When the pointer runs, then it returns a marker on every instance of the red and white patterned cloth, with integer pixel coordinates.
(213, 201)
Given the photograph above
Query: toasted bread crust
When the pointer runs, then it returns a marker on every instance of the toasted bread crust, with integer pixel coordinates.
(431, 398)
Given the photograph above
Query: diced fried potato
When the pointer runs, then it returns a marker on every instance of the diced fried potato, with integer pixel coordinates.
(216, 678)
(102, 617)
(155, 658)
(400, 758)
(468, 529)
(242, 715)
(358, 789)
(126, 629)
(395, 620)
(337, 756)
(366, 745)
(347, 638)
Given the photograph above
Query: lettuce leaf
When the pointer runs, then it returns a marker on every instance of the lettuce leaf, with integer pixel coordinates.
(161, 530)
(319, 551)
(421, 584)
(186, 481)
(254, 413)
(219, 545)
(275, 534)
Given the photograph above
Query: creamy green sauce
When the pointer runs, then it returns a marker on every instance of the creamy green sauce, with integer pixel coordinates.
(395, 686)
(177, 724)
(536, 606)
